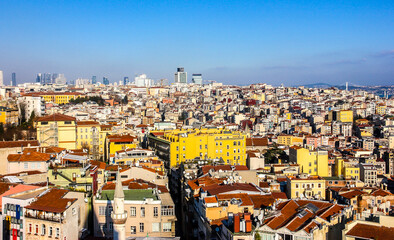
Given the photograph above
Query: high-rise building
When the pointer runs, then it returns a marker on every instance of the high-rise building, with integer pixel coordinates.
(105, 81)
(13, 79)
(181, 76)
(142, 81)
(1, 78)
(39, 78)
(126, 80)
(197, 78)
(94, 79)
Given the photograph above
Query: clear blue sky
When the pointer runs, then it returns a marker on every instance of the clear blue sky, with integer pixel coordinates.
(241, 42)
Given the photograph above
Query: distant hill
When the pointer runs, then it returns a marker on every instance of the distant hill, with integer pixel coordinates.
(317, 85)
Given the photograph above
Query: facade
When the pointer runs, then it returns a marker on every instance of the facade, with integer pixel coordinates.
(1, 78)
(179, 146)
(57, 130)
(56, 97)
(310, 162)
(368, 174)
(32, 104)
(146, 212)
(197, 78)
(306, 187)
(27, 161)
(9, 116)
(13, 79)
(116, 143)
(181, 76)
(91, 135)
(54, 214)
(13, 209)
(12, 147)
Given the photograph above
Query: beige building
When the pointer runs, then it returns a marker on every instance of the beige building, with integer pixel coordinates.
(28, 161)
(12, 147)
(55, 214)
(149, 213)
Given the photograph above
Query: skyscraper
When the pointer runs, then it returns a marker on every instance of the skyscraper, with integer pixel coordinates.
(181, 76)
(94, 79)
(1, 78)
(39, 78)
(125, 80)
(197, 78)
(13, 79)
(105, 81)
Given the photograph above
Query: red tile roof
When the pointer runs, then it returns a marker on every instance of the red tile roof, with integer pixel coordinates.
(14, 144)
(366, 231)
(56, 117)
(52, 201)
(29, 157)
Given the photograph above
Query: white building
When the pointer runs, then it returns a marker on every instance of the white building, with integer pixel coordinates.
(142, 81)
(1, 78)
(32, 103)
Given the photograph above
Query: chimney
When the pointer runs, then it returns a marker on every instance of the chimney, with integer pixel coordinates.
(236, 223)
(247, 216)
(248, 226)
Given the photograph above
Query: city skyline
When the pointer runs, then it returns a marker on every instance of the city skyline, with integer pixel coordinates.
(231, 42)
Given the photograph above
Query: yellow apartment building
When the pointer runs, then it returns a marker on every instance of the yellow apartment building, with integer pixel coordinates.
(310, 162)
(177, 146)
(91, 135)
(290, 140)
(305, 186)
(56, 97)
(9, 116)
(341, 116)
(114, 143)
(346, 169)
(381, 109)
(57, 130)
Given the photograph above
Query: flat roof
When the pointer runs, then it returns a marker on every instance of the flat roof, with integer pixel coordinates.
(131, 194)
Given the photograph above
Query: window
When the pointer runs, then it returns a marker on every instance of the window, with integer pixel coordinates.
(50, 232)
(228, 154)
(43, 229)
(30, 228)
(26, 165)
(167, 210)
(184, 148)
(133, 212)
(57, 232)
(155, 227)
(102, 210)
(142, 212)
(133, 229)
(38, 165)
(228, 146)
(319, 185)
(167, 227)
(155, 211)
(141, 227)
(297, 186)
(67, 122)
(177, 148)
(36, 229)
(200, 146)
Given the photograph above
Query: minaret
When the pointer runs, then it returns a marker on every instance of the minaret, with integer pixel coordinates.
(119, 215)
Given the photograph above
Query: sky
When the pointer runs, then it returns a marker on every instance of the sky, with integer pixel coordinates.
(234, 42)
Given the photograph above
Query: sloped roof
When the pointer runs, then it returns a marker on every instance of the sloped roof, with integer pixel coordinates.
(55, 117)
(29, 157)
(366, 231)
(52, 201)
(13, 144)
